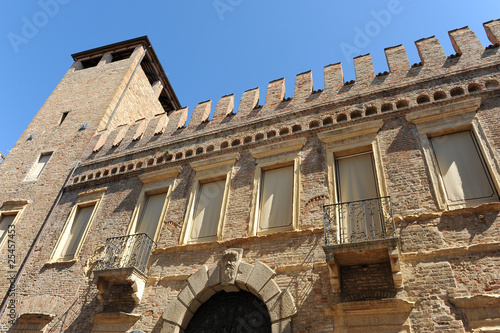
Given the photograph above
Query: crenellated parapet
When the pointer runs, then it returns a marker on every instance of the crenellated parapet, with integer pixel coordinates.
(370, 94)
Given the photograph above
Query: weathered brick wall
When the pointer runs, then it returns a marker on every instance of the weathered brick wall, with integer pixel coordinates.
(138, 101)
(364, 282)
(442, 254)
(66, 142)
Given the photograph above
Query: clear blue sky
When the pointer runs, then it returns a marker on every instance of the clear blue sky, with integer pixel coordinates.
(214, 47)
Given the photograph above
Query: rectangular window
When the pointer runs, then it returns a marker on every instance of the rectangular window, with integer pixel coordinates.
(37, 169)
(74, 233)
(462, 169)
(359, 206)
(5, 222)
(206, 207)
(356, 178)
(150, 215)
(276, 198)
(207, 210)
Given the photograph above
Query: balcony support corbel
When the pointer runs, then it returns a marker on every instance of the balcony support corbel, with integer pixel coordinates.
(333, 268)
(138, 286)
(397, 277)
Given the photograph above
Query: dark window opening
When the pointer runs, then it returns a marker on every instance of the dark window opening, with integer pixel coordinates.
(90, 62)
(63, 117)
(117, 56)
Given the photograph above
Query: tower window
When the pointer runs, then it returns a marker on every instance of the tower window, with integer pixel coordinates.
(91, 62)
(117, 56)
(38, 167)
(63, 117)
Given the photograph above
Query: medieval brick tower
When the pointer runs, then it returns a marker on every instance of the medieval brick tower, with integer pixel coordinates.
(368, 206)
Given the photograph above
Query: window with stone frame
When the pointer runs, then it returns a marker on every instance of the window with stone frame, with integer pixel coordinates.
(74, 232)
(276, 198)
(152, 203)
(206, 209)
(77, 226)
(462, 169)
(460, 160)
(6, 223)
(10, 212)
(358, 195)
(37, 168)
(150, 213)
(276, 190)
(356, 181)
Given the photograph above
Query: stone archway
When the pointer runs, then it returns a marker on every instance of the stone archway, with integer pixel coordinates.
(231, 275)
(231, 313)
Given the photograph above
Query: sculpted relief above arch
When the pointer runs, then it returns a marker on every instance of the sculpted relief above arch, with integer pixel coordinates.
(231, 274)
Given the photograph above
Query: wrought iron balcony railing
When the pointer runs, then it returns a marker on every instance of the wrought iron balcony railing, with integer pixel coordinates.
(126, 252)
(359, 221)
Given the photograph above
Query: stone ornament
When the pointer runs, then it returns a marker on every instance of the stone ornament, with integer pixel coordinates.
(230, 262)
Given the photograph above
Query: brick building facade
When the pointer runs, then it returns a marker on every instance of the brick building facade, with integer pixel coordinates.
(366, 206)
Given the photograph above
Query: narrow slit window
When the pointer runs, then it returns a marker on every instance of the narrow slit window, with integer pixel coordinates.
(276, 199)
(63, 117)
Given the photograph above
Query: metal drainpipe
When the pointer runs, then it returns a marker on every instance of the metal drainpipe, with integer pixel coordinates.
(37, 238)
(126, 87)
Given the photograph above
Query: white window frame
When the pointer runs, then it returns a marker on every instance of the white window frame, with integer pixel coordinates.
(85, 199)
(11, 208)
(270, 157)
(155, 182)
(448, 119)
(29, 175)
(208, 170)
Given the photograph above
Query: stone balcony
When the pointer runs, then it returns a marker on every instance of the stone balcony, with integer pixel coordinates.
(124, 260)
(361, 236)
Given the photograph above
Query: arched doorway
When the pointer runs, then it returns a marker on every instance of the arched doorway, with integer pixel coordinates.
(235, 312)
